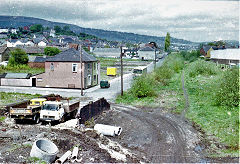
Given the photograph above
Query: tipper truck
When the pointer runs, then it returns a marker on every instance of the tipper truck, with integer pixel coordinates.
(30, 111)
(58, 110)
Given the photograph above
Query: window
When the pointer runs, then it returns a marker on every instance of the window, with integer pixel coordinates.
(39, 79)
(88, 66)
(52, 67)
(95, 77)
(94, 66)
(74, 67)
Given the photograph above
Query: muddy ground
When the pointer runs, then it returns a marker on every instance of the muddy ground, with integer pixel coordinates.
(149, 135)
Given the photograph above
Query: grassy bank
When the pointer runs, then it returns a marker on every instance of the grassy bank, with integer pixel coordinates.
(21, 69)
(7, 98)
(213, 98)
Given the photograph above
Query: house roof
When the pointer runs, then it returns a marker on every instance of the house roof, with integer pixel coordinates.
(72, 55)
(18, 76)
(146, 49)
(3, 75)
(230, 54)
(40, 59)
(2, 49)
(30, 50)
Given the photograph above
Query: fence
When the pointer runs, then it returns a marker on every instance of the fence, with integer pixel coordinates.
(93, 109)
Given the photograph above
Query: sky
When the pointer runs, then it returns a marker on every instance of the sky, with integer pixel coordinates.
(194, 20)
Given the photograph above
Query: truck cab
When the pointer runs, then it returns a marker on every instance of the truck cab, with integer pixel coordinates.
(52, 111)
(138, 71)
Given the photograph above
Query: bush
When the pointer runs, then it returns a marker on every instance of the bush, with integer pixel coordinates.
(174, 62)
(17, 57)
(51, 51)
(190, 56)
(163, 74)
(201, 67)
(228, 89)
(143, 87)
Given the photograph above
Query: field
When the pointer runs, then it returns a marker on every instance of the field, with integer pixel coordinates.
(128, 65)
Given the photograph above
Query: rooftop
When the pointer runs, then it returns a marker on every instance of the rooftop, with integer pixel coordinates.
(72, 55)
(231, 54)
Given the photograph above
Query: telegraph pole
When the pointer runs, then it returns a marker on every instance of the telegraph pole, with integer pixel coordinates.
(81, 70)
(121, 54)
(155, 58)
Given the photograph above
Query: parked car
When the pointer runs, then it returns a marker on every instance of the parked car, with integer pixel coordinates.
(104, 84)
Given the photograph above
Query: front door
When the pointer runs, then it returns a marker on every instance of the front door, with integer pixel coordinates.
(34, 82)
(89, 80)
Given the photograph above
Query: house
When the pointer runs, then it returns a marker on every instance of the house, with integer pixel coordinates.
(147, 53)
(19, 43)
(13, 31)
(41, 42)
(226, 56)
(4, 31)
(52, 33)
(3, 36)
(64, 70)
(206, 50)
(4, 54)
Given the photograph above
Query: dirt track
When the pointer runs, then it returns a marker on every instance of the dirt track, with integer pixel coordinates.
(155, 134)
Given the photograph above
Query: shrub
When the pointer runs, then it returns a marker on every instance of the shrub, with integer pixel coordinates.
(174, 62)
(18, 56)
(228, 89)
(190, 56)
(201, 67)
(51, 51)
(163, 74)
(143, 87)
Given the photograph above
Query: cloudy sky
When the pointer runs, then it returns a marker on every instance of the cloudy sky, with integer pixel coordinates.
(195, 20)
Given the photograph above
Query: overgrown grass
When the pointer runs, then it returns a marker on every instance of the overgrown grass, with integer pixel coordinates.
(148, 90)
(214, 100)
(21, 69)
(201, 67)
(213, 97)
(7, 98)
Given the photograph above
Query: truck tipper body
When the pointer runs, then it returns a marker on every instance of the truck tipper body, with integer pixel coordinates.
(30, 110)
(58, 110)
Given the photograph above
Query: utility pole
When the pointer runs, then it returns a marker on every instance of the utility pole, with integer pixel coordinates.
(81, 70)
(121, 54)
(155, 58)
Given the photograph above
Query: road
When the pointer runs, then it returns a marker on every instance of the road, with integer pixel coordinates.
(94, 92)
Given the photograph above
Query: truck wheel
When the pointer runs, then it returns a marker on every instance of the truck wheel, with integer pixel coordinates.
(36, 119)
(17, 121)
(62, 119)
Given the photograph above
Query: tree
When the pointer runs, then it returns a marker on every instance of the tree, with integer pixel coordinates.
(57, 29)
(66, 28)
(36, 28)
(51, 51)
(18, 57)
(167, 42)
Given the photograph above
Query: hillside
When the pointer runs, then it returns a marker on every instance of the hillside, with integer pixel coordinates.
(18, 21)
